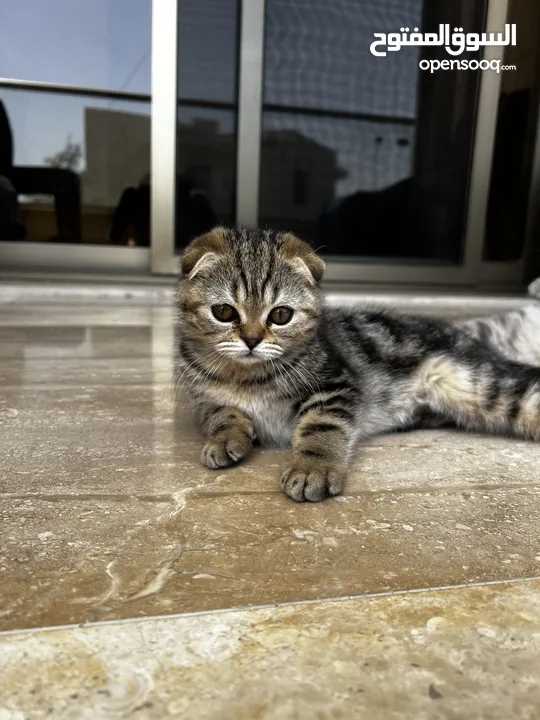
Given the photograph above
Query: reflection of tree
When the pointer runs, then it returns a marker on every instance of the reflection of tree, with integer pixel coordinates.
(68, 158)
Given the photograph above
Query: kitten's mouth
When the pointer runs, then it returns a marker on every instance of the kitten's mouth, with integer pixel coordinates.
(246, 358)
(253, 356)
(250, 358)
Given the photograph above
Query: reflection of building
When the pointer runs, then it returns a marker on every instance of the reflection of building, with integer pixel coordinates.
(299, 178)
(117, 150)
(207, 157)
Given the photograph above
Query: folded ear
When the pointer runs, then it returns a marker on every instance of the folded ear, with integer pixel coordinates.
(203, 251)
(303, 258)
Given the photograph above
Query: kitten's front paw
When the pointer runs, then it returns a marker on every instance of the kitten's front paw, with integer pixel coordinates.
(313, 481)
(224, 453)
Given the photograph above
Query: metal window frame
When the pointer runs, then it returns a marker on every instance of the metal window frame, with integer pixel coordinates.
(163, 144)
(61, 89)
(160, 258)
(250, 100)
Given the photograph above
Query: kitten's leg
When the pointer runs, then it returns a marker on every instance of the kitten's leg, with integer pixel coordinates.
(484, 393)
(322, 444)
(229, 433)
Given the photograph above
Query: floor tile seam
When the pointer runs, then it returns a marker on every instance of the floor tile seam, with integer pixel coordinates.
(269, 606)
(205, 491)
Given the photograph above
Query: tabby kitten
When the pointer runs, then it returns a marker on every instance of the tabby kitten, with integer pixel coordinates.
(265, 360)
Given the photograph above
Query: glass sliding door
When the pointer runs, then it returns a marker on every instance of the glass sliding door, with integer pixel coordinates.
(127, 127)
(75, 134)
(207, 116)
(378, 162)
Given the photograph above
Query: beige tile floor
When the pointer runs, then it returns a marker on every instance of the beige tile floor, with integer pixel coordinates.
(106, 516)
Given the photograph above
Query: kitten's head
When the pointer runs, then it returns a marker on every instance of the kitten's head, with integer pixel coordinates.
(249, 296)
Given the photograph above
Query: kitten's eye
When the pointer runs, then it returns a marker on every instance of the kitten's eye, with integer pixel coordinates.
(280, 315)
(224, 313)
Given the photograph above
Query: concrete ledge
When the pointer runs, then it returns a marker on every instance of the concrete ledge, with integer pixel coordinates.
(87, 293)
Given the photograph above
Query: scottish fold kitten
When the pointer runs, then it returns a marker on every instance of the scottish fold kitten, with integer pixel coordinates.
(264, 359)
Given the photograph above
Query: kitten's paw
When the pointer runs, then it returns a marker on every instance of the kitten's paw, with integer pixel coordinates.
(224, 453)
(305, 480)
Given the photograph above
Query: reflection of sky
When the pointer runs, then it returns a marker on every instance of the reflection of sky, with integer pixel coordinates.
(317, 56)
(97, 43)
(93, 43)
(42, 122)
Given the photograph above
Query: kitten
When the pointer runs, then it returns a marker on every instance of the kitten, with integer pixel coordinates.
(264, 359)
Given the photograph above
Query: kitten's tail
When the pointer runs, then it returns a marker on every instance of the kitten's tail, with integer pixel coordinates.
(534, 289)
(514, 334)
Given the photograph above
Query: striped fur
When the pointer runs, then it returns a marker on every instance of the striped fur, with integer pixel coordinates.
(332, 377)
(516, 334)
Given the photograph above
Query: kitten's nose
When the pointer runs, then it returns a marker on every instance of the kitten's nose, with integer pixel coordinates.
(252, 340)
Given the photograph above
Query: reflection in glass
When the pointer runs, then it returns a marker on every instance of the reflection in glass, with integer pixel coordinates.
(102, 44)
(74, 169)
(514, 139)
(207, 112)
(362, 155)
(319, 173)
(206, 175)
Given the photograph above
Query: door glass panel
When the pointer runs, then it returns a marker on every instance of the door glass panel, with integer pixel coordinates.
(74, 169)
(361, 155)
(514, 139)
(207, 115)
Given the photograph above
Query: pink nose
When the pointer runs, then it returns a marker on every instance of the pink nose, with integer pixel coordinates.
(252, 340)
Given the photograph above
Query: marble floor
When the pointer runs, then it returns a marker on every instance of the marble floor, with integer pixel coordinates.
(134, 582)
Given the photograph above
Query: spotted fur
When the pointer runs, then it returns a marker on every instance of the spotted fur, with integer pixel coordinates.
(331, 377)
